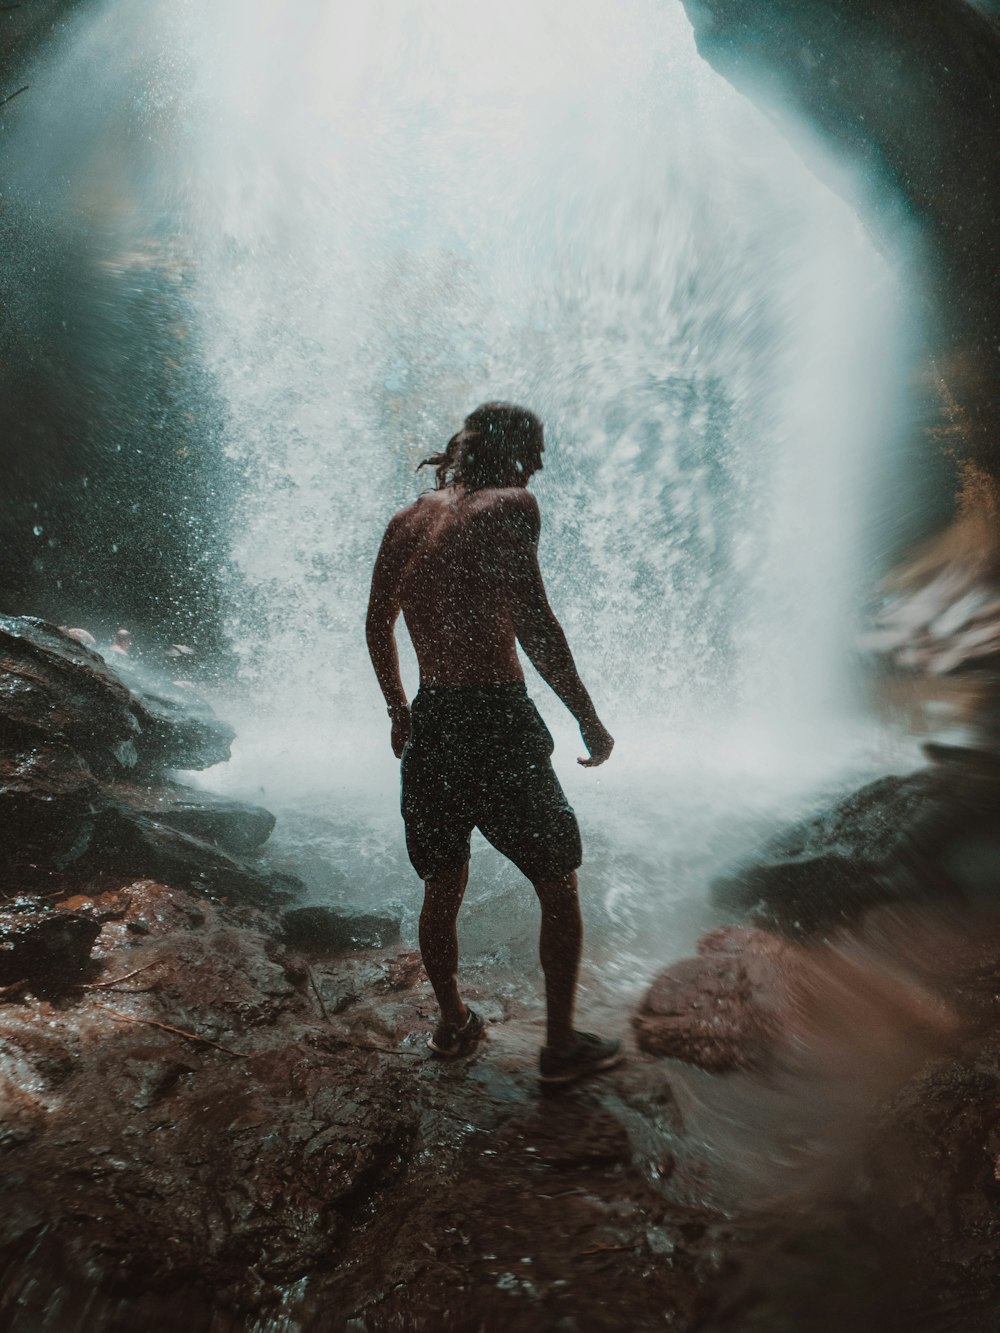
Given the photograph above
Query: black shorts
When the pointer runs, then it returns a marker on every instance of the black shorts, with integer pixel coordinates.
(478, 757)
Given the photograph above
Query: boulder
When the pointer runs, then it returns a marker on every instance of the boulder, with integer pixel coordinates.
(136, 844)
(54, 688)
(235, 826)
(47, 801)
(865, 1007)
(723, 1009)
(81, 754)
(924, 836)
(329, 930)
(48, 948)
(177, 727)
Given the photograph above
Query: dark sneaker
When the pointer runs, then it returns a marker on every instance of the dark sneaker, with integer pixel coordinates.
(451, 1042)
(590, 1055)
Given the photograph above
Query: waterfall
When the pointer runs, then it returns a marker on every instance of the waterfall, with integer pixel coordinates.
(388, 213)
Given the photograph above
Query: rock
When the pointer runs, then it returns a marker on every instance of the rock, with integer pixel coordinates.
(579, 1137)
(75, 744)
(47, 800)
(328, 930)
(861, 1010)
(46, 947)
(723, 1009)
(869, 76)
(926, 836)
(54, 688)
(164, 1182)
(235, 826)
(137, 844)
(177, 728)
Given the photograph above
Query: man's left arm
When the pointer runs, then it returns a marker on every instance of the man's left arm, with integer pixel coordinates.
(380, 625)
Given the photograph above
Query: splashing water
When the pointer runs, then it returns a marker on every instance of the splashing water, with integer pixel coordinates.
(392, 212)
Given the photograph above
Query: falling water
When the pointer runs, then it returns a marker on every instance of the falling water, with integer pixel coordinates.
(387, 213)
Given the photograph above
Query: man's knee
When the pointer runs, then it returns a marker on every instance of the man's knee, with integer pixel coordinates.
(558, 890)
(445, 889)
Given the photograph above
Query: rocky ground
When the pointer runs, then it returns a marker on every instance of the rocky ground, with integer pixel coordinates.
(209, 1127)
(217, 1110)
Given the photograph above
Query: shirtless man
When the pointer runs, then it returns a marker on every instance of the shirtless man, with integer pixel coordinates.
(461, 563)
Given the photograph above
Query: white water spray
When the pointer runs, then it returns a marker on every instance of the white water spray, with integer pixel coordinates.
(392, 212)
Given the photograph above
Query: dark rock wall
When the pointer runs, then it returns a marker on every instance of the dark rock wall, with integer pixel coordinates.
(908, 92)
(116, 496)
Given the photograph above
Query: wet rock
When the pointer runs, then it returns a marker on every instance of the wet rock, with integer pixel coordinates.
(404, 971)
(579, 1137)
(869, 1001)
(234, 826)
(47, 799)
(329, 930)
(177, 729)
(869, 76)
(48, 948)
(929, 1187)
(137, 844)
(923, 837)
(53, 688)
(723, 1009)
(202, 1182)
(102, 907)
(79, 755)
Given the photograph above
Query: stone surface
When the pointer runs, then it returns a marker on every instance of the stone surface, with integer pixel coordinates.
(52, 688)
(881, 996)
(932, 835)
(234, 826)
(311, 1168)
(48, 948)
(319, 929)
(907, 93)
(135, 843)
(47, 801)
(177, 728)
(723, 1009)
(81, 774)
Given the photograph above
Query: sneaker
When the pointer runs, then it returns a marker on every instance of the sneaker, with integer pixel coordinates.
(590, 1055)
(451, 1042)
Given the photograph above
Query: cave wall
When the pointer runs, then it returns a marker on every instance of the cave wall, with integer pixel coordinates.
(117, 496)
(908, 93)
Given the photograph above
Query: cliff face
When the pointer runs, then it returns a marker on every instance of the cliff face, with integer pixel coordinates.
(115, 497)
(908, 91)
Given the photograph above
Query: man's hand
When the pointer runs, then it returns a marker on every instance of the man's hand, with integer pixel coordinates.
(400, 730)
(598, 740)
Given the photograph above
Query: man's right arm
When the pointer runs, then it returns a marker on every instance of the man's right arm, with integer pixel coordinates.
(541, 635)
(383, 612)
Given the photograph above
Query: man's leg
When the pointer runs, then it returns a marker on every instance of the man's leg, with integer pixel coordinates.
(560, 946)
(439, 939)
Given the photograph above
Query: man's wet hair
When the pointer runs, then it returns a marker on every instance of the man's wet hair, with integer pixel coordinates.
(494, 447)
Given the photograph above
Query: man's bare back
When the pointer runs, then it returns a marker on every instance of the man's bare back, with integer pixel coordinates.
(462, 567)
(460, 558)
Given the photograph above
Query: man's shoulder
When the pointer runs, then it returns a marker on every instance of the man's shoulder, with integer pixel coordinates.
(518, 512)
(515, 501)
(410, 513)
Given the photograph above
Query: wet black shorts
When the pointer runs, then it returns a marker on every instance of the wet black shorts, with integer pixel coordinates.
(478, 757)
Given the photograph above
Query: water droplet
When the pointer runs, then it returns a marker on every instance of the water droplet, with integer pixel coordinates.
(37, 529)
